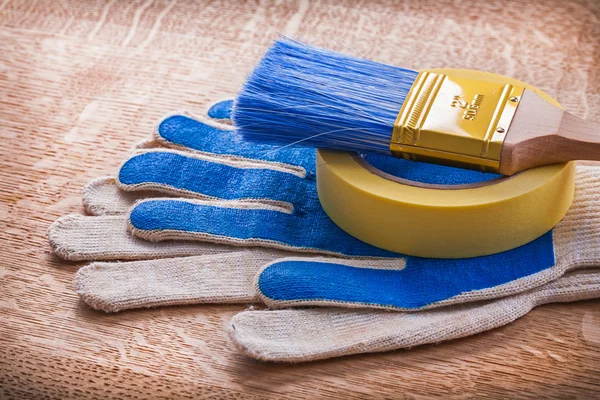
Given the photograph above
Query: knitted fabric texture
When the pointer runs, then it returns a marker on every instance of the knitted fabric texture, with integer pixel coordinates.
(319, 333)
(225, 277)
(77, 238)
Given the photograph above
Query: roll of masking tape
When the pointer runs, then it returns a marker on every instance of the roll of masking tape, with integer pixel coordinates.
(443, 220)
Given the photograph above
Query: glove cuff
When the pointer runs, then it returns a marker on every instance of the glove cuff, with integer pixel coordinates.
(577, 237)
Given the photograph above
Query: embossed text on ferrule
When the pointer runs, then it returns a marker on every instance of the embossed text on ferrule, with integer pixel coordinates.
(471, 109)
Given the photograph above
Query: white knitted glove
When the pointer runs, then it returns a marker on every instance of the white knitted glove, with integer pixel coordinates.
(297, 335)
(164, 274)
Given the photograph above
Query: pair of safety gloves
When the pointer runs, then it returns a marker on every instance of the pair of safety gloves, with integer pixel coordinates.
(196, 215)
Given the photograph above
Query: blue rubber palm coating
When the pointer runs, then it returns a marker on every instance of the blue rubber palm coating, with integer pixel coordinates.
(213, 179)
(188, 132)
(309, 230)
(221, 110)
(422, 282)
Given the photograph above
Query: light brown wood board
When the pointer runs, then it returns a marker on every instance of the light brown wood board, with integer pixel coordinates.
(82, 81)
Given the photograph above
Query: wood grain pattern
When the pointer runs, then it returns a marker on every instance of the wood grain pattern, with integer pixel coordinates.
(542, 134)
(82, 81)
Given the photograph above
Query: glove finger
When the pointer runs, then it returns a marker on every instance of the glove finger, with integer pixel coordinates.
(214, 278)
(245, 224)
(314, 334)
(175, 172)
(423, 283)
(189, 132)
(77, 237)
(221, 110)
(101, 196)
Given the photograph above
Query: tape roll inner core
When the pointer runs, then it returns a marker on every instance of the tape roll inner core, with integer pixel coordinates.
(395, 170)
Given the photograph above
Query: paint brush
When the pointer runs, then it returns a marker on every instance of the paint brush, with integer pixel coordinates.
(302, 95)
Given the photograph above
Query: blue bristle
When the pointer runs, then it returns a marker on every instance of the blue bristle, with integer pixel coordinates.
(313, 97)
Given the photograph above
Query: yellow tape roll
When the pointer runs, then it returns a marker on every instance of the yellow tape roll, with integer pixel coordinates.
(443, 221)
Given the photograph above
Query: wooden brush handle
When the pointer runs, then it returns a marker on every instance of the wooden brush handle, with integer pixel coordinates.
(542, 134)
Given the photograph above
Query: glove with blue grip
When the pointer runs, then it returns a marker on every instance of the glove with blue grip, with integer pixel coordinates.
(281, 210)
(251, 169)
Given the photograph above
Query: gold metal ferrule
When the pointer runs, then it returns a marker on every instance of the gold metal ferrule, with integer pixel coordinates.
(455, 120)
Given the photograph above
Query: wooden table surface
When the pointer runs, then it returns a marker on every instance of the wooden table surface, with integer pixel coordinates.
(82, 81)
